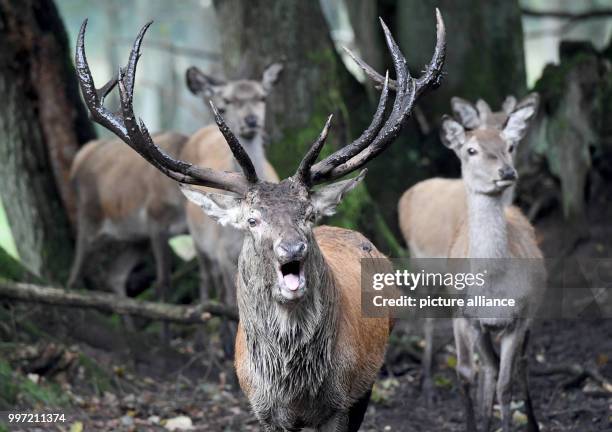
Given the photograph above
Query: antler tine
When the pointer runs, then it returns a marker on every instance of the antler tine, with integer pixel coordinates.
(432, 76)
(93, 97)
(135, 133)
(322, 168)
(303, 171)
(404, 99)
(370, 71)
(433, 73)
(237, 150)
(407, 90)
(103, 91)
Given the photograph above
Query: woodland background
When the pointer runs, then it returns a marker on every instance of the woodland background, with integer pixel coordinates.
(82, 359)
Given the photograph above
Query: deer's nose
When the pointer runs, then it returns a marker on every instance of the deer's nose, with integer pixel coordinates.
(507, 173)
(291, 250)
(251, 120)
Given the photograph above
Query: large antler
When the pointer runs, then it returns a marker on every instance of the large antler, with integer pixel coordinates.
(136, 135)
(378, 136)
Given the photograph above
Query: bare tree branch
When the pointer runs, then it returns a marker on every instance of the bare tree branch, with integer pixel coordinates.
(598, 13)
(107, 302)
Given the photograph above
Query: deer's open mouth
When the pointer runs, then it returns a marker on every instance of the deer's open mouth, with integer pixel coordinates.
(291, 279)
(503, 184)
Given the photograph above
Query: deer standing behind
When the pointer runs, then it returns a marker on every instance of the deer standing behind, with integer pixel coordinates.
(121, 197)
(431, 211)
(243, 105)
(305, 357)
(494, 230)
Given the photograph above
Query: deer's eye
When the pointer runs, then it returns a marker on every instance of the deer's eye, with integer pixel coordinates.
(227, 101)
(311, 217)
(252, 222)
(472, 151)
(511, 148)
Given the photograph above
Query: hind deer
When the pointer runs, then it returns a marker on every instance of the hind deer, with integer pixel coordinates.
(431, 211)
(243, 105)
(305, 357)
(493, 229)
(122, 198)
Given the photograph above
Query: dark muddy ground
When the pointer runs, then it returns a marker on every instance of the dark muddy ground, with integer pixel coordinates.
(196, 388)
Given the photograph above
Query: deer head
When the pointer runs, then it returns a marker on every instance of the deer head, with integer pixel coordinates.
(480, 115)
(277, 218)
(484, 146)
(242, 102)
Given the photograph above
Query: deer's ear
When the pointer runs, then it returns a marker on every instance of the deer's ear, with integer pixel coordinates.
(452, 133)
(519, 119)
(326, 199)
(509, 104)
(201, 84)
(270, 76)
(465, 112)
(484, 111)
(225, 209)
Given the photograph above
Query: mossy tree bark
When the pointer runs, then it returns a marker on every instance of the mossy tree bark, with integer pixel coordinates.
(485, 59)
(42, 124)
(313, 84)
(567, 151)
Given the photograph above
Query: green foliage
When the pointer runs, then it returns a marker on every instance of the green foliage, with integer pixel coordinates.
(16, 389)
(95, 376)
(6, 237)
(10, 268)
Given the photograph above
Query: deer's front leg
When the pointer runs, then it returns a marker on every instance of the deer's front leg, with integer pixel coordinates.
(511, 345)
(338, 423)
(464, 342)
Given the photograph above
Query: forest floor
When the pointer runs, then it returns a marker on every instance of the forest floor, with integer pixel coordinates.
(105, 379)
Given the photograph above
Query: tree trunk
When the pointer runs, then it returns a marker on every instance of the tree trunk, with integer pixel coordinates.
(42, 124)
(484, 59)
(314, 84)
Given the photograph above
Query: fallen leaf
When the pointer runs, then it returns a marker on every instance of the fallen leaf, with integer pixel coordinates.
(602, 360)
(76, 427)
(179, 423)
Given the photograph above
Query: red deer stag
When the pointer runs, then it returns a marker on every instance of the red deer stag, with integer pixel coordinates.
(305, 357)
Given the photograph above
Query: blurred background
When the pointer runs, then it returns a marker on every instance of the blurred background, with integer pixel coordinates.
(559, 48)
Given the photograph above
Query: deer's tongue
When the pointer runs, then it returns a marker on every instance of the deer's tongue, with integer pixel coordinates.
(292, 281)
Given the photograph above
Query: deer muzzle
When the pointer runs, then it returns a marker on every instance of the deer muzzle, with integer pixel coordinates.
(290, 256)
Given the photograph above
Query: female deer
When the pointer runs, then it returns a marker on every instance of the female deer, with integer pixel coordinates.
(494, 230)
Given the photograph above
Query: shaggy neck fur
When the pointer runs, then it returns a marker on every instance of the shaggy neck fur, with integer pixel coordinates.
(487, 225)
(290, 345)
